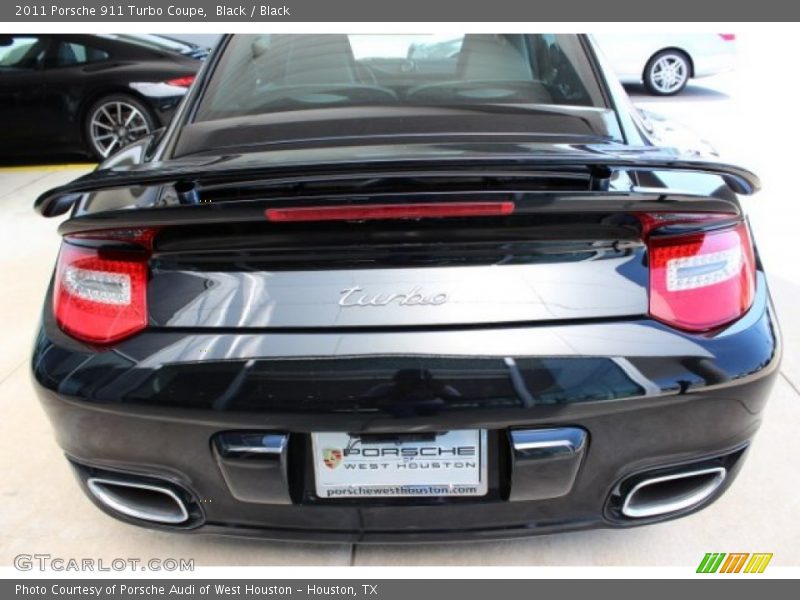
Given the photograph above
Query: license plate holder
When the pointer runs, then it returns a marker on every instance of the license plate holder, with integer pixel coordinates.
(452, 464)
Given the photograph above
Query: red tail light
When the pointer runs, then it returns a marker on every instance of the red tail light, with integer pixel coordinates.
(728, 37)
(367, 212)
(100, 296)
(182, 81)
(701, 280)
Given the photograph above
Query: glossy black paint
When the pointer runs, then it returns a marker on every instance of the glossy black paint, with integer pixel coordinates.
(648, 396)
(43, 108)
(249, 334)
(153, 405)
(618, 166)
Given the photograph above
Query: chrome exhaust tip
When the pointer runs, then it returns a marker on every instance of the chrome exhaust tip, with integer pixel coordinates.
(148, 502)
(654, 496)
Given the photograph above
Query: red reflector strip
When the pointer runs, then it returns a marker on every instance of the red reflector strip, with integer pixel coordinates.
(368, 212)
(654, 220)
(182, 81)
(143, 237)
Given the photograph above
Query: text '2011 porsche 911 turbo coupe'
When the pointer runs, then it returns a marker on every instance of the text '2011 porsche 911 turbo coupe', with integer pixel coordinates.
(402, 288)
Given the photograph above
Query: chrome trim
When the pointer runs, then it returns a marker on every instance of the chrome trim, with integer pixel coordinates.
(273, 444)
(107, 497)
(545, 444)
(673, 503)
(253, 450)
(569, 439)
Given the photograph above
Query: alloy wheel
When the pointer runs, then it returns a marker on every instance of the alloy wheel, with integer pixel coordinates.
(116, 124)
(669, 73)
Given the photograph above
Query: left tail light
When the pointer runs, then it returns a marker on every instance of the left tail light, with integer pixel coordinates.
(701, 280)
(100, 295)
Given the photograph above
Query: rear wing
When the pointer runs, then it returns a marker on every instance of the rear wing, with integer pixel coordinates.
(190, 175)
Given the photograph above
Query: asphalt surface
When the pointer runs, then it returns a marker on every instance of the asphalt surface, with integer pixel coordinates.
(43, 511)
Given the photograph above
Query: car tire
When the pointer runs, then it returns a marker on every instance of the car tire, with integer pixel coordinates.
(667, 73)
(115, 121)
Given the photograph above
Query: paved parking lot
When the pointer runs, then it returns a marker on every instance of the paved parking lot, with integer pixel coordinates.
(43, 511)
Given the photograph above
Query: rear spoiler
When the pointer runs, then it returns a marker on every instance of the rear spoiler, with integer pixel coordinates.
(187, 175)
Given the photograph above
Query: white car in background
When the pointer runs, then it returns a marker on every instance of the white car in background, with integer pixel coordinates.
(666, 62)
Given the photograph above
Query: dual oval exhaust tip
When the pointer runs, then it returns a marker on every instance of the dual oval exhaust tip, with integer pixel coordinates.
(665, 494)
(145, 501)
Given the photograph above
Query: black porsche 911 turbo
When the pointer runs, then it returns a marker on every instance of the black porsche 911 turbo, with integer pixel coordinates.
(93, 94)
(358, 291)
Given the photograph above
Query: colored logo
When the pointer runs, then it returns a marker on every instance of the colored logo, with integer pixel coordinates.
(734, 562)
(332, 457)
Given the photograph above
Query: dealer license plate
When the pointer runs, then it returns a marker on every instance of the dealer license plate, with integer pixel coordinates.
(452, 463)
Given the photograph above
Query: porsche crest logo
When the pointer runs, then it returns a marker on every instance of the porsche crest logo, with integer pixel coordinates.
(332, 457)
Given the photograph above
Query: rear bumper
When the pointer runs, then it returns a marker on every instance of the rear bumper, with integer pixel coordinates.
(648, 398)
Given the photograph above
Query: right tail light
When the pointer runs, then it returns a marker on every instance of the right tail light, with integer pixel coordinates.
(701, 280)
(183, 82)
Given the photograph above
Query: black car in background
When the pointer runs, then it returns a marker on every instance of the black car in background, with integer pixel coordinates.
(64, 93)
(350, 295)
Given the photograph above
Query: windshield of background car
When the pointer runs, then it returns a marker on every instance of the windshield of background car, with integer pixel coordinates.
(284, 72)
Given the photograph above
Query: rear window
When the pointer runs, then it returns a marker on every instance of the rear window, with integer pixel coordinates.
(285, 72)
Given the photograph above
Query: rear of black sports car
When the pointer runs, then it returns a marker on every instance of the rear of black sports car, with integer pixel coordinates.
(392, 332)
